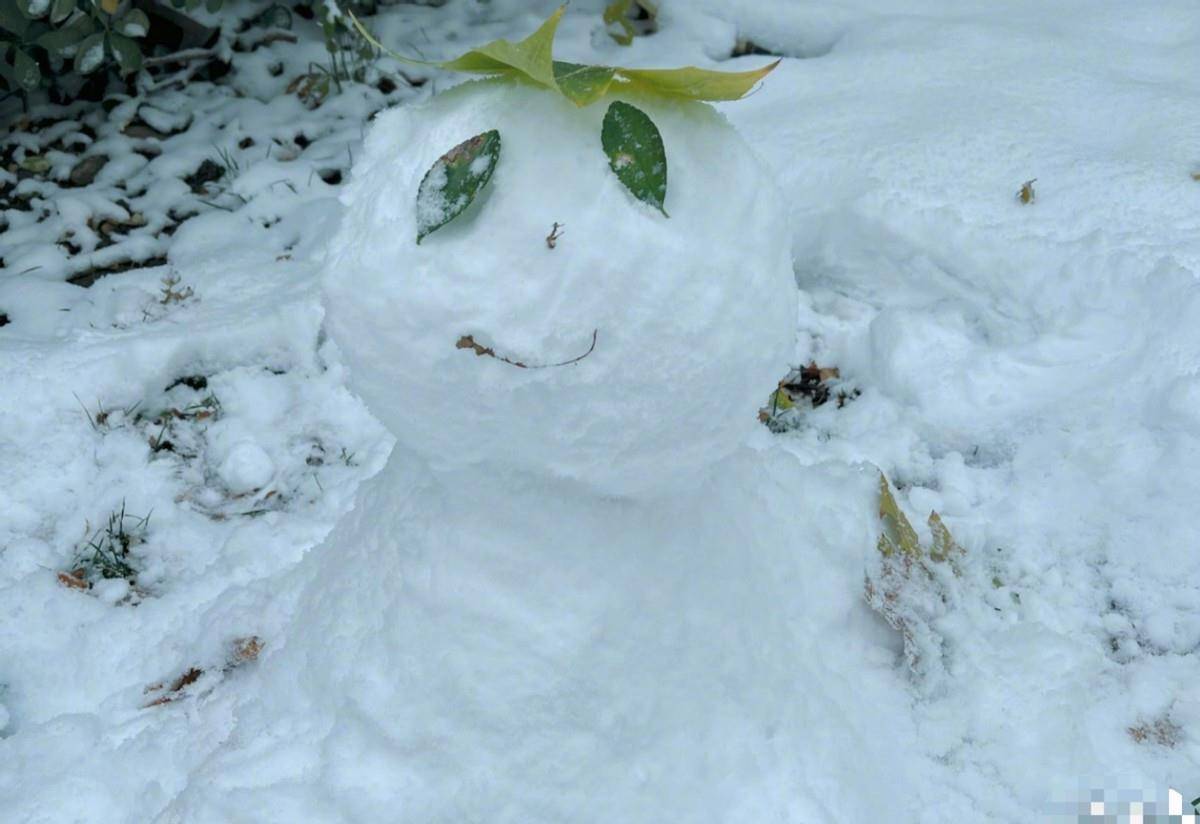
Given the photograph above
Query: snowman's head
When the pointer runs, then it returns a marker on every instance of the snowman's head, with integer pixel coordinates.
(692, 316)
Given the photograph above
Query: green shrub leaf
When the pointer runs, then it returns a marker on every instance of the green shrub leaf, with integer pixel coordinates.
(583, 84)
(26, 71)
(33, 9)
(60, 10)
(59, 42)
(635, 153)
(11, 19)
(452, 183)
(134, 23)
(129, 56)
(90, 55)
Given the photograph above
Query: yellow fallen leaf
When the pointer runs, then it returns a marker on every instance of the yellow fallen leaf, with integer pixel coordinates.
(698, 84)
(898, 534)
(944, 547)
(533, 59)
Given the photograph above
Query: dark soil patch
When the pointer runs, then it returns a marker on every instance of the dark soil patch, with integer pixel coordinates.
(813, 382)
(207, 172)
(89, 276)
(195, 382)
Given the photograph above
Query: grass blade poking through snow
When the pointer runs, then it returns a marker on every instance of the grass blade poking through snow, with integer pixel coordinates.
(452, 183)
(635, 153)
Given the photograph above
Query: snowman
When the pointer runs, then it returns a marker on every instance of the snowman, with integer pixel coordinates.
(563, 597)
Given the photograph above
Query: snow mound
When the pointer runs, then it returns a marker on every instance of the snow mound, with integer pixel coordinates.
(693, 316)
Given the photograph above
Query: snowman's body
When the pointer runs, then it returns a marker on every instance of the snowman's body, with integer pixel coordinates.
(564, 598)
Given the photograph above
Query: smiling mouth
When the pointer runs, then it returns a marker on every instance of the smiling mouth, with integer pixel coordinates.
(468, 342)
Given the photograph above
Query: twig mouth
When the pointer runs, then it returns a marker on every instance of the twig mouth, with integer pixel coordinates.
(468, 342)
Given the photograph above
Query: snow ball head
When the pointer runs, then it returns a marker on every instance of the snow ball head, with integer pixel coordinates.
(693, 315)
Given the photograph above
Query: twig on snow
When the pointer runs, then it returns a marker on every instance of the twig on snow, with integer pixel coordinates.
(468, 342)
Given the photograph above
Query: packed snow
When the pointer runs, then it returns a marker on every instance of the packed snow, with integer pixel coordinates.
(381, 577)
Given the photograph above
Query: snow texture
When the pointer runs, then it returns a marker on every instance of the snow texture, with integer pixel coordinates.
(469, 635)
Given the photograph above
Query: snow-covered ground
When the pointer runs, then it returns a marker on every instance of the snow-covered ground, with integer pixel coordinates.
(520, 650)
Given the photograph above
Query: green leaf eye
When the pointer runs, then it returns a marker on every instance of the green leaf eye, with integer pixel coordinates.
(454, 180)
(635, 152)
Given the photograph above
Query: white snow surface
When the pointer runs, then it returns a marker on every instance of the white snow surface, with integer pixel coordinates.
(705, 298)
(473, 636)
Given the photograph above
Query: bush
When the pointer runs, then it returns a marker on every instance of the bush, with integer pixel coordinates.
(44, 42)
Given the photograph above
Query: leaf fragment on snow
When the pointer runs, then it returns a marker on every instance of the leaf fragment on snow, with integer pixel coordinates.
(898, 535)
(1026, 194)
(944, 547)
(617, 22)
(454, 180)
(635, 152)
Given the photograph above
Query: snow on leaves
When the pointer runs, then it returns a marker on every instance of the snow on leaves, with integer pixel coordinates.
(90, 55)
(635, 153)
(454, 180)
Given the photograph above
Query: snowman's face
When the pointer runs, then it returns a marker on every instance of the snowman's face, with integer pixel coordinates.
(685, 322)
